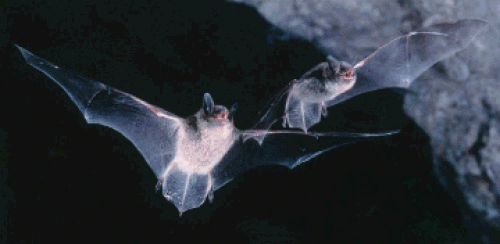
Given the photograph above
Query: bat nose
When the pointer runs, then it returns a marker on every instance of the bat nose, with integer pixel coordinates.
(224, 114)
(348, 75)
(221, 115)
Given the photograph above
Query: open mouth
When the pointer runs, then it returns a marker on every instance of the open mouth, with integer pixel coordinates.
(347, 75)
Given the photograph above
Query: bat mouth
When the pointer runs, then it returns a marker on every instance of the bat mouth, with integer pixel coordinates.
(348, 76)
(221, 117)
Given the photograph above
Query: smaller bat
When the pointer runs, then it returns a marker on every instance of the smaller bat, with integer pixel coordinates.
(394, 65)
(194, 156)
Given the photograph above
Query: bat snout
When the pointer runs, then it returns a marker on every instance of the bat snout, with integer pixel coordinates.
(222, 116)
(348, 75)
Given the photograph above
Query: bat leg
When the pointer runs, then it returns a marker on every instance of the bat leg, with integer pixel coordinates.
(211, 195)
(210, 192)
(163, 179)
(285, 115)
(303, 117)
(285, 120)
(159, 184)
(324, 112)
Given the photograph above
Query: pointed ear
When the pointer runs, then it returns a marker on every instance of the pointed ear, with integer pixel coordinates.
(208, 104)
(232, 110)
(333, 63)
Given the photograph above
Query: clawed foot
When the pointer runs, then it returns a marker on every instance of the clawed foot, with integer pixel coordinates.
(158, 186)
(285, 120)
(159, 183)
(324, 112)
(211, 195)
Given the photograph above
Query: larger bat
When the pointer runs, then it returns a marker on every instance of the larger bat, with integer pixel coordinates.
(194, 156)
(394, 65)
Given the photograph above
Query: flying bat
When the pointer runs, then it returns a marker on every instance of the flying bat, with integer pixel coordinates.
(193, 156)
(394, 65)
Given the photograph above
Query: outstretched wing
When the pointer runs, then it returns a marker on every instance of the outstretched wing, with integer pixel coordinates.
(285, 148)
(394, 65)
(399, 62)
(151, 129)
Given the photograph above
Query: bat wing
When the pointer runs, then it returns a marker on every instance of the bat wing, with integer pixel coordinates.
(402, 60)
(151, 129)
(298, 113)
(272, 112)
(394, 65)
(285, 148)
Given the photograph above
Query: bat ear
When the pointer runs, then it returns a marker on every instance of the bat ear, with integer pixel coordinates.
(333, 63)
(232, 110)
(208, 104)
(345, 66)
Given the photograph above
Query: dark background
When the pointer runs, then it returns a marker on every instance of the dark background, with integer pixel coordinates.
(63, 180)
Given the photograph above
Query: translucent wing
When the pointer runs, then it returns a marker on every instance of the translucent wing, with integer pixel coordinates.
(399, 62)
(151, 129)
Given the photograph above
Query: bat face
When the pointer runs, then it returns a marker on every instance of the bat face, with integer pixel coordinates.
(394, 65)
(191, 157)
(212, 115)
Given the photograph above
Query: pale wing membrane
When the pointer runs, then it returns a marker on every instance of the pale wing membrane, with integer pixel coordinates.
(272, 112)
(186, 191)
(154, 136)
(401, 61)
(301, 114)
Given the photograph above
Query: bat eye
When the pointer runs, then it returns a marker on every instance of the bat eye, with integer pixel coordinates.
(208, 104)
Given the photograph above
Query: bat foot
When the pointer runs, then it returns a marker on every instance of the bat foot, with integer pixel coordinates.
(324, 112)
(159, 183)
(285, 121)
(211, 195)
